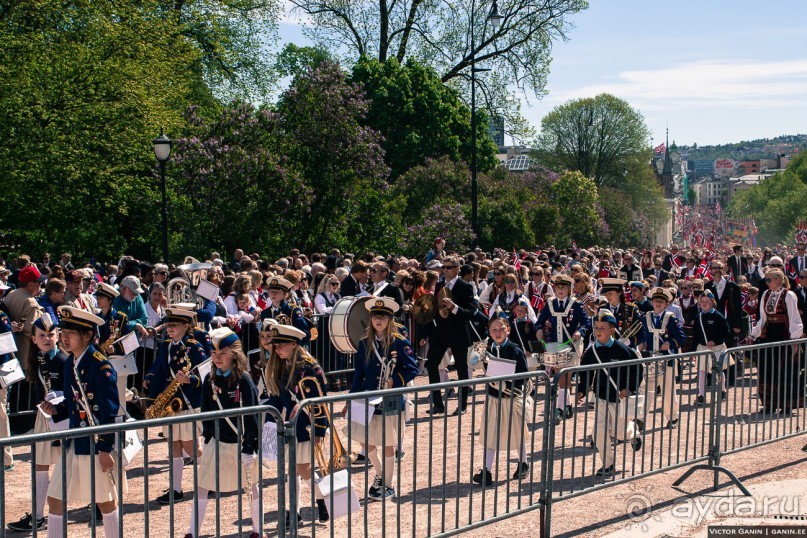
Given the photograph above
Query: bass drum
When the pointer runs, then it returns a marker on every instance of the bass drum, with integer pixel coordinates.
(348, 321)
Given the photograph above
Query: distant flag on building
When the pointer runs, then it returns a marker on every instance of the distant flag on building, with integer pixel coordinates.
(801, 232)
(660, 148)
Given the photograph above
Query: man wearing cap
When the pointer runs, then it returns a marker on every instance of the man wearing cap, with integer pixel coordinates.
(612, 386)
(115, 323)
(91, 397)
(279, 308)
(130, 302)
(75, 295)
(663, 336)
(567, 323)
(23, 309)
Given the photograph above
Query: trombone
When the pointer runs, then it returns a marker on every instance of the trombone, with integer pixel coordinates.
(339, 459)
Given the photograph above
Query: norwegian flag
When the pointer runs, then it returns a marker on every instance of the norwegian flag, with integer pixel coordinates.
(516, 260)
(660, 148)
(703, 269)
(677, 261)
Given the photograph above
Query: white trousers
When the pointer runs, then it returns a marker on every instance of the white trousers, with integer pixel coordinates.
(664, 380)
(609, 424)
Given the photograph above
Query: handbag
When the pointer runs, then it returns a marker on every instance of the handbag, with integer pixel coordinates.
(10, 373)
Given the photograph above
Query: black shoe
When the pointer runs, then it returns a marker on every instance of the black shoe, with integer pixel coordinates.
(701, 400)
(559, 417)
(605, 471)
(361, 459)
(639, 424)
(165, 498)
(723, 395)
(8, 468)
(378, 491)
(322, 511)
(288, 519)
(672, 424)
(679, 379)
(187, 461)
(522, 472)
(483, 478)
(636, 444)
(26, 524)
(399, 454)
(461, 410)
(569, 412)
(436, 410)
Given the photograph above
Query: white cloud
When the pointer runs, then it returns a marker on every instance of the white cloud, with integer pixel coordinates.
(293, 16)
(712, 83)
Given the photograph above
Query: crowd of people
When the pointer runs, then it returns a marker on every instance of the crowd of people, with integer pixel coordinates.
(266, 332)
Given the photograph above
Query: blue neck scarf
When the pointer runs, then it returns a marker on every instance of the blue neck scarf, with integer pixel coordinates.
(223, 374)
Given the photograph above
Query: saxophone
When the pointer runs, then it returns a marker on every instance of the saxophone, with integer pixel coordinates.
(114, 334)
(167, 404)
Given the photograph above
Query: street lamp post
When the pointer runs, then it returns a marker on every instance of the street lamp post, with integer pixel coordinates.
(162, 150)
(494, 18)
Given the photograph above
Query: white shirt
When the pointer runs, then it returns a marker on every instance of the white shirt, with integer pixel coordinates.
(321, 305)
(796, 328)
(154, 319)
(720, 287)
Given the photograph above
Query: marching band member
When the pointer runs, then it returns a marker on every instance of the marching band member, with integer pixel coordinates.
(505, 424)
(626, 313)
(278, 293)
(637, 292)
(567, 323)
(711, 332)
(115, 323)
(287, 367)
(228, 386)
(508, 298)
(781, 385)
(663, 336)
(91, 397)
(384, 360)
(610, 386)
(176, 359)
(46, 369)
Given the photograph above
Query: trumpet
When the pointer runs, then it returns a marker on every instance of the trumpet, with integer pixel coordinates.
(631, 331)
(339, 459)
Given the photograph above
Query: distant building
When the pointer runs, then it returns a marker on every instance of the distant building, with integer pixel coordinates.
(710, 190)
(702, 167)
(750, 167)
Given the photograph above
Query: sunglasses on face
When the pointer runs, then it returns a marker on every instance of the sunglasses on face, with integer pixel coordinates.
(163, 273)
(446, 267)
(334, 284)
(408, 282)
(497, 274)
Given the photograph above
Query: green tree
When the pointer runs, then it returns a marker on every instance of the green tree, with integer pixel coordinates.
(80, 101)
(419, 116)
(517, 52)
(576, 197)
(438, 180)
(322, 117)
(294, 61)
(598, 136)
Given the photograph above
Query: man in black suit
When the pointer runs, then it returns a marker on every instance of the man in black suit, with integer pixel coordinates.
(451, 332)
(352, 284)
(659, 272)
(798, 263)
(629, 272)
(737, 264)
(801, 294)
(381, 287)
(728, 298)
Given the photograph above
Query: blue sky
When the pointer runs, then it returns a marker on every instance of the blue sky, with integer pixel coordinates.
(715, 71)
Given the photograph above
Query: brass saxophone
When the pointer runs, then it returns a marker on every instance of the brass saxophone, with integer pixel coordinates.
(114, 334)
(167, 404)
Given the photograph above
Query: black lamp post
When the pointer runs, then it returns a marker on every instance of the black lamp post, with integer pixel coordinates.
(162, 150)
(494, 18)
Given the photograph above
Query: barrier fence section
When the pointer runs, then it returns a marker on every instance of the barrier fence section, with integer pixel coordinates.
(432, 462)
(763, 388)
(148, 472)
(601, 439)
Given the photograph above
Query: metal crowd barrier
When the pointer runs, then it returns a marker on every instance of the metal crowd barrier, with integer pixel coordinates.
(573, 460)
(761, 405)
(433, 481)
(135, 514)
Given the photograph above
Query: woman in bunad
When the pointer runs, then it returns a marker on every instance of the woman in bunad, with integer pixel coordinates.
(781, 375)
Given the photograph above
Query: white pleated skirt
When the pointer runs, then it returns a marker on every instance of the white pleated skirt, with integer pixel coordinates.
(46, 453)
(226, 467)
(77, 477)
